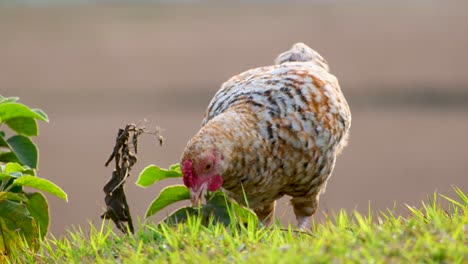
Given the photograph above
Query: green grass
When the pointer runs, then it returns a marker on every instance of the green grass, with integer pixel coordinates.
(430, 234)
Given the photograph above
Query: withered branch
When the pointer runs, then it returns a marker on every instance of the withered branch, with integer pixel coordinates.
(116, 201)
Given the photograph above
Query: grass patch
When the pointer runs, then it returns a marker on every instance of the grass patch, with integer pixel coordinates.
(429, 234)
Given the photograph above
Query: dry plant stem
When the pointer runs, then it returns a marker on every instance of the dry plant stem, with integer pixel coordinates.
(117, 207)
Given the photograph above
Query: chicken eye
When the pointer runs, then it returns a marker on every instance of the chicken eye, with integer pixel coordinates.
(208, 167)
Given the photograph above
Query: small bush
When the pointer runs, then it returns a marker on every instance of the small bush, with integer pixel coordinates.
(24, 216)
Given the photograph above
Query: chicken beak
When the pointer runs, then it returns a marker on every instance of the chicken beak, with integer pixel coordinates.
(197, 194)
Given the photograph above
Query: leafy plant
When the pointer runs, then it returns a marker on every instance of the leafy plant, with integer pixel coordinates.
(218, 207)
(23, 215)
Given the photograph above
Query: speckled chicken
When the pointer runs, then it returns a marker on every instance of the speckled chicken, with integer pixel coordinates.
(269, 132)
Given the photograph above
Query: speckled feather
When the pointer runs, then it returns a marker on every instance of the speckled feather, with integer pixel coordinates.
(279, 129)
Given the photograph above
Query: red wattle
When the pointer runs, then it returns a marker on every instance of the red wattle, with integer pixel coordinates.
(215, 183)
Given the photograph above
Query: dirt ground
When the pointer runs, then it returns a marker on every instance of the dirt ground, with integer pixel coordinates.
(403, 68)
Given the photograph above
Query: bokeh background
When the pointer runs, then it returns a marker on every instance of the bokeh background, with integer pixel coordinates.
(94, 67)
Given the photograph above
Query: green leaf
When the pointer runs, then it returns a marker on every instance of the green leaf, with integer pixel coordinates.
(3, 142)
(153, 173)
(23, 125)
(8, 99)
(8, 157)
(176, 168)
(4, 176)
(242, 213)
(168, 196)
(13, 167)
(28, 171)
(39, 210)
(16, 174)
(41, 113)
(180, 216)
(224, 209)
(24, 149)
(16, 170)
(218, 208)
(17, 197)
(13, 110)
(41, 184)
(16, 224)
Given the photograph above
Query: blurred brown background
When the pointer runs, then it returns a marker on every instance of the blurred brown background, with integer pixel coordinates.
(96, 67)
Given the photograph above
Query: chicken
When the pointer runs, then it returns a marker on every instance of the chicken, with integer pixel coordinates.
(269, 132)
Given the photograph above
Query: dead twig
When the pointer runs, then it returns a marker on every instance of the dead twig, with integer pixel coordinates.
(117, 207)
